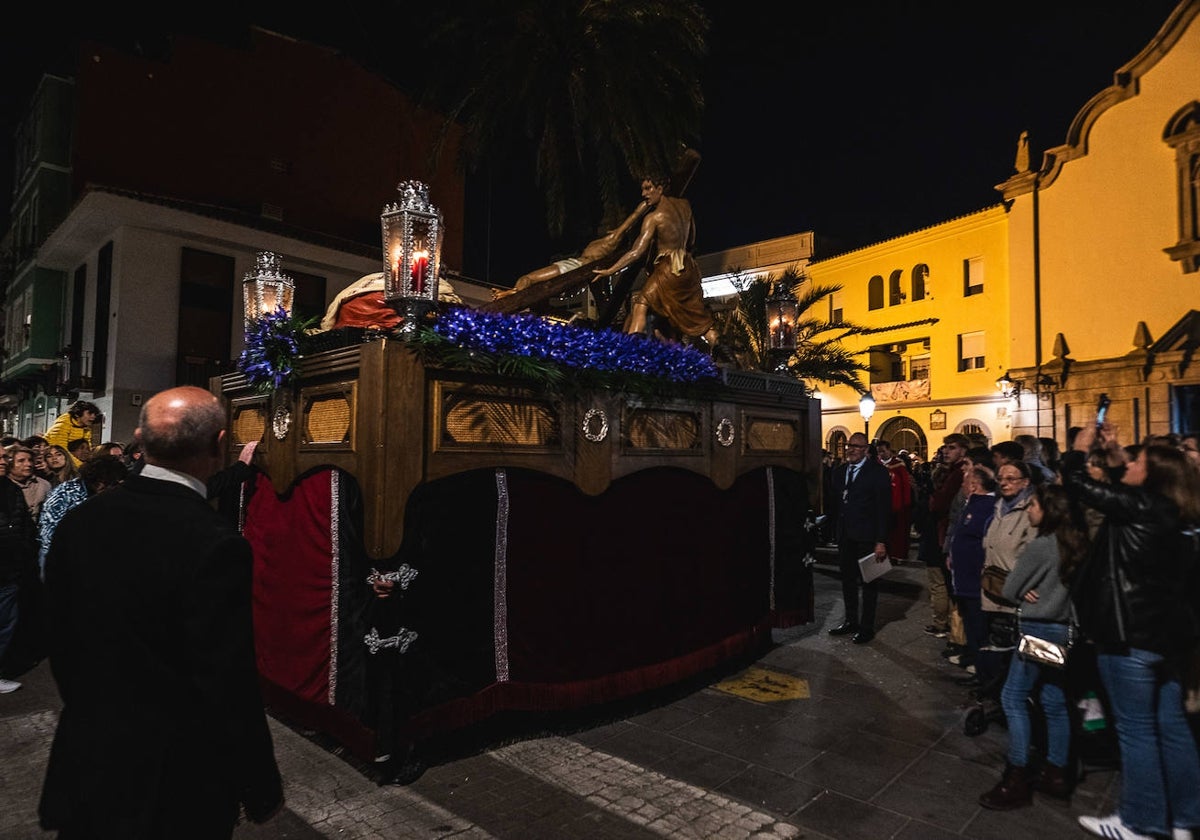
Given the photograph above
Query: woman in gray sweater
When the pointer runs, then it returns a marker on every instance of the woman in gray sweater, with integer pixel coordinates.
(1036, 583)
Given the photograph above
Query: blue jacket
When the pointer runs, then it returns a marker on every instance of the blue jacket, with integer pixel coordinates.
(966, 547)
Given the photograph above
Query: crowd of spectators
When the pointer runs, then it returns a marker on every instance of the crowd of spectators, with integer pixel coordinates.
(1096, 546)
(41, 478)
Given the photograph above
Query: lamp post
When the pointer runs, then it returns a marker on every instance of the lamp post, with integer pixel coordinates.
(781, 327)
(866, 407)
(266, 289)
(412, 254)
(1005, 384)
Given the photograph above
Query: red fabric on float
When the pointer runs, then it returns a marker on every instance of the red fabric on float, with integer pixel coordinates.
(293, 584)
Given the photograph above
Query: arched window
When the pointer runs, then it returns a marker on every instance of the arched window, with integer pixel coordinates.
(920, 274)
(904, 433)
(895, 293)
(974, 427)
(837, 445)
(1183, 135)
(875, 292)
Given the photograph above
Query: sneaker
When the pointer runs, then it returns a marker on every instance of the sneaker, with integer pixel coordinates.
(1111, 828)
(937, 632)
(1182, 834)
(8, 686)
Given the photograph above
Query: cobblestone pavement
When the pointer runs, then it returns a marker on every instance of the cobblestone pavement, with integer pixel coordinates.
(818, 738)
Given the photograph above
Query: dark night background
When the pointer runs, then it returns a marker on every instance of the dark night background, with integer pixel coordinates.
(858, 120)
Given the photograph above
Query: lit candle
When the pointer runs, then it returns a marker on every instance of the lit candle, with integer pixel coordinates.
(397, 264)
(419, 267)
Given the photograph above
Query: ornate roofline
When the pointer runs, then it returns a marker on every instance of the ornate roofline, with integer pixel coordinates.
(1125, 86)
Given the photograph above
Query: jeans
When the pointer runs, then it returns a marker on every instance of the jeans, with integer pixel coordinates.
(8, 615)
(1023, 678)
(1160, 767)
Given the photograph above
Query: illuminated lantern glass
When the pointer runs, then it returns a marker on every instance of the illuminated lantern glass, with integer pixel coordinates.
(412, 245)
(781, 319)
(267, 288)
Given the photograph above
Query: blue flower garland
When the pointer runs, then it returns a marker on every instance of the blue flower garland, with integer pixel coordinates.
(573, 347)
(274, 343)
(272, 347)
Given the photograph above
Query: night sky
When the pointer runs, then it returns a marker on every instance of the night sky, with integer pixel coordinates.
(862, 121)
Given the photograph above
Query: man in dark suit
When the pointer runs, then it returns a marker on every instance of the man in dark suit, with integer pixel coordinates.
(162, 732)
(862, 491)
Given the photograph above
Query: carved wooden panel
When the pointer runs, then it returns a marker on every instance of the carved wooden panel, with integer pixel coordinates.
(472, 414)
(652, 428)
(770, 434)
(328, 415)
(248, 420)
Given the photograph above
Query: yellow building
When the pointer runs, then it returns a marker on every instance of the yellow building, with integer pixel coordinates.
(1104, 251)
(1083, 279)
(935, 307)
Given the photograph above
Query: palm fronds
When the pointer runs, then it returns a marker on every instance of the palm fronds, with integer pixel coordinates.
(819, 356)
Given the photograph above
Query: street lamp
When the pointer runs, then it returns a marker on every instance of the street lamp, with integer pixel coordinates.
(866, 407)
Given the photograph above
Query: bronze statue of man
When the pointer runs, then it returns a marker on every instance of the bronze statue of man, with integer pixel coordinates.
(673, 288)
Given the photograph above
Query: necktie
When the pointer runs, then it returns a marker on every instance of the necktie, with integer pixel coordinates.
(851, 474)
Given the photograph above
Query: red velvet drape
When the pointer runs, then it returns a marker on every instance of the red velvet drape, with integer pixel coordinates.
(293, 558)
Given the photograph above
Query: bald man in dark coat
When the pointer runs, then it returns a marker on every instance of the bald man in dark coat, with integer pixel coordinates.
(862, 489)
(162, 732)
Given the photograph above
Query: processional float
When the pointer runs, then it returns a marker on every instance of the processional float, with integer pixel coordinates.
(566, 515)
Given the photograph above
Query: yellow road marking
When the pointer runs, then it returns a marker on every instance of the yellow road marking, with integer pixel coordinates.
(765, 686)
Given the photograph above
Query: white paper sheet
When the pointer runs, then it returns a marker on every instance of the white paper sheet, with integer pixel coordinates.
(871, 569)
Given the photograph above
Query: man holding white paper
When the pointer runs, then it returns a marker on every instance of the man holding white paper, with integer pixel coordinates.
(862, 491)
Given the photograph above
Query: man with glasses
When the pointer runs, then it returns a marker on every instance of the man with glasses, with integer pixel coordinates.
(862, 491)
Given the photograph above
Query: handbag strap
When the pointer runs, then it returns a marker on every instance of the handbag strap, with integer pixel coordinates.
(1070, 623)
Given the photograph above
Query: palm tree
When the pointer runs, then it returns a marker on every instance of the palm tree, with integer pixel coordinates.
(587, 92)
(819, 355)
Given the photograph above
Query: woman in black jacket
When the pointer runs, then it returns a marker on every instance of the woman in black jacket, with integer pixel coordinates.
(1131, 600)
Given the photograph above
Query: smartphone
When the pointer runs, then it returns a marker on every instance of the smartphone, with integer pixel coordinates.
(1102, 409)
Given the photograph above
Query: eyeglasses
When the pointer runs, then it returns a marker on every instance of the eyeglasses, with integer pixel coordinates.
(1008, 479)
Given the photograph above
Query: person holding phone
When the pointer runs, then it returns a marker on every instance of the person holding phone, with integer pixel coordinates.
(1102, 410)
(1131, 601)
